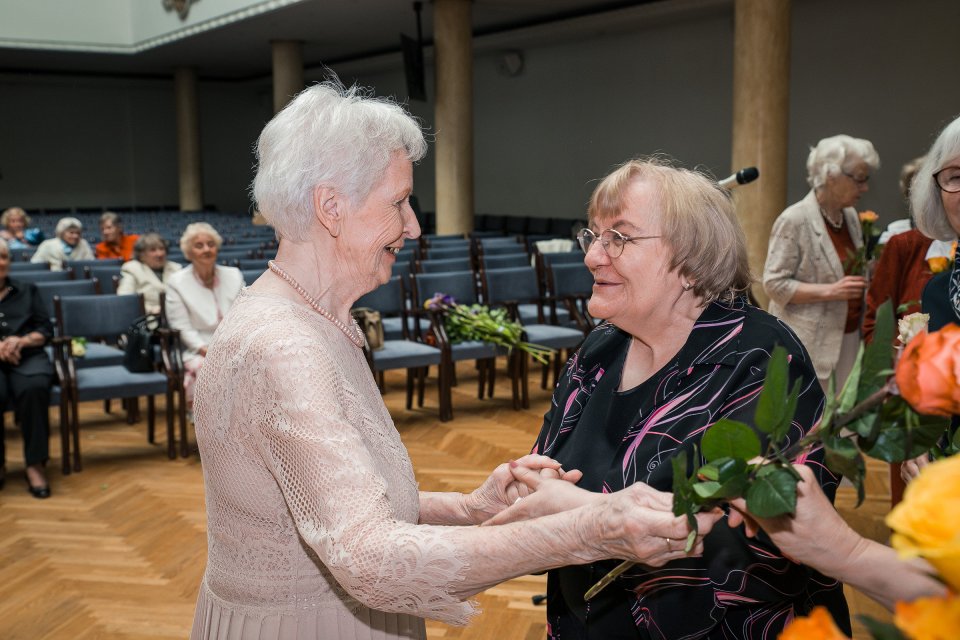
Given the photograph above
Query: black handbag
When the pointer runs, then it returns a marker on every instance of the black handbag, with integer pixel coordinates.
(137, 344)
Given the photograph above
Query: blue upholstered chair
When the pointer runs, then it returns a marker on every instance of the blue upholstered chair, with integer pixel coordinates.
(405, 351)
(95, 317)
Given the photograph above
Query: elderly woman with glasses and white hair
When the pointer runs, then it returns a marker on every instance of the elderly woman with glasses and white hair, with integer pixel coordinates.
(679, 348)
(149, 271)
(935, 206)
(68, 246)
(316, 526)
(814, 284)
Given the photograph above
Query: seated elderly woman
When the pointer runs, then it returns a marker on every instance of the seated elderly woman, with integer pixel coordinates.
(67, 246)
(199, 296)
(25, 372)
(317, 528)
(813, 284)
(114, 242)
(149, 270)
(13, 229)
(679, 349)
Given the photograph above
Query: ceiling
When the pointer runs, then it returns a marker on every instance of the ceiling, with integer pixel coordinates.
(333, 32)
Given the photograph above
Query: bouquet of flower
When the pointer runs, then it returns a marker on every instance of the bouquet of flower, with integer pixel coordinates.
(479, 322)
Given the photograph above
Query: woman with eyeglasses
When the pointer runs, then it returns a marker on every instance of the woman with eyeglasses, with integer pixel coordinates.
(678, 349)
(815, 283)
(935, 206)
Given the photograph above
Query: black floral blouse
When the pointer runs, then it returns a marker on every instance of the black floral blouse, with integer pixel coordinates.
(740, 587)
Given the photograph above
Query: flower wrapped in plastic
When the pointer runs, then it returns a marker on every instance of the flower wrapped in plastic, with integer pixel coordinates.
(479, 322)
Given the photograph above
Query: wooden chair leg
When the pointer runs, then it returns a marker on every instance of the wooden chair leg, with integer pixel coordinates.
(421, 384)
(171, 441)
(151, 414)
(544, 370)
(491, 375)
(410, 376)
(481, 378)
(524, 374)
(184, 443)
(75, 434)
(445, 399)
(513, 369)
(64, 433)
(106, 406)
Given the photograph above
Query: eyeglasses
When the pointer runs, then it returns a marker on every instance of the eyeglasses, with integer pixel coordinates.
(860, 181)
(948, 179)
(611, 240)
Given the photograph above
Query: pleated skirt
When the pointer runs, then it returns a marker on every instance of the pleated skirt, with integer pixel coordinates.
(216, 619)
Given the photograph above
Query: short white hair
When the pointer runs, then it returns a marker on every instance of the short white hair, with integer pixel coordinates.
(66, 224)
(193, 230)
(926, 203)
(333, 136)
(838, 154)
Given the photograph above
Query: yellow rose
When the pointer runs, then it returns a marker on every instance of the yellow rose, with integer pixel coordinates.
(817, 626)
(929, 618)
(927, 522)
(938, 264)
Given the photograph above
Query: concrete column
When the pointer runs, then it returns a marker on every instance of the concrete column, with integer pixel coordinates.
(287, 71)
(188, 139)
(761, 97)
(453, 53)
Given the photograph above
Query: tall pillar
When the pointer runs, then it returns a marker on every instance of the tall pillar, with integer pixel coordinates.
(287, 71)
(761, 96)
(453, 53)
(188, 139)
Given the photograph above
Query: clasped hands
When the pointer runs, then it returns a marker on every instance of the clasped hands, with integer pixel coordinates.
(636, 523)
(10, 350)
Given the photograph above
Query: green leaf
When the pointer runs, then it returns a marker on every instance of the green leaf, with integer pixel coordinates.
(905, 434)
(773, 492)
(878, 355)
(706, 489)
(770, 407)
(730, 439)
(848, 395)
(789, 411)
(881, 630)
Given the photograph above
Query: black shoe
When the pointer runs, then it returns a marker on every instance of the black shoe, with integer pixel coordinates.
(40, 493)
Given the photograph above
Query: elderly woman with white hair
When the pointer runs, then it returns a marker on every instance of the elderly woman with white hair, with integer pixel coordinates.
(66, 247)
(199, 296)
(810, 274)
(316, 528)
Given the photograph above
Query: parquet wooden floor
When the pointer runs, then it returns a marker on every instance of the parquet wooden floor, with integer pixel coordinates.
(119, 550)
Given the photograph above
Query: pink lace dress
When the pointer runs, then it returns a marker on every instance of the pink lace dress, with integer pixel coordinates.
(312, 505)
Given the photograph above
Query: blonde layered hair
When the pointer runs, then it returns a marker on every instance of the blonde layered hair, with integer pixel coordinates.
(696, 220)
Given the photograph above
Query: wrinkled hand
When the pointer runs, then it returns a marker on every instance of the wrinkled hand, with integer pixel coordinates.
(10, 350)
(814, 535)
(551, 496)
(638, 524)
(503, 488)
(910, 469)
(848, 288)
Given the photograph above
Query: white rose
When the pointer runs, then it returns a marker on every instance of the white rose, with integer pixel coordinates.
(911, 325)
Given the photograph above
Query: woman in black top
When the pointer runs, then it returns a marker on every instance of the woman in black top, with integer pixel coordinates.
(25, 372)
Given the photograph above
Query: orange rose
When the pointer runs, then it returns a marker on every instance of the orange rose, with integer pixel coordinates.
(868, 216)
(938, 264)
(929, 618)
(817, 626)
(928, 372)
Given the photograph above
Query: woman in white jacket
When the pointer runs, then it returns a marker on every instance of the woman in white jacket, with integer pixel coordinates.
(199, 296)
(149, 271)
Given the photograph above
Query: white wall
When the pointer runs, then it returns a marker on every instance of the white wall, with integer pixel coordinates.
(872, 68)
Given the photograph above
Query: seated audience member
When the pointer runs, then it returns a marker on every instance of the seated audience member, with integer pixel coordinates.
(67, 246)
(25, 373)
(149, 270)
(13, 229)
(199, 296)
(902, 270)
(115, 243)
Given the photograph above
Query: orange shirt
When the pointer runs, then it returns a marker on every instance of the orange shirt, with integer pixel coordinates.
(122, 250)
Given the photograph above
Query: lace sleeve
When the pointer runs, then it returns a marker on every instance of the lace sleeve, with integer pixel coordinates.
(340, 503)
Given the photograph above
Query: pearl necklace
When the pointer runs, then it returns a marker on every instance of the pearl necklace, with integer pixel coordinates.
(835, 225)
(356, 335)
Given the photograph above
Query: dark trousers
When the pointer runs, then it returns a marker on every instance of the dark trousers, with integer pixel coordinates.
(31, 401)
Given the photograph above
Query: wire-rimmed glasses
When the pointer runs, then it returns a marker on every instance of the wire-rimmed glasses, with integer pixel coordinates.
(611, 240)
(948, 179)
